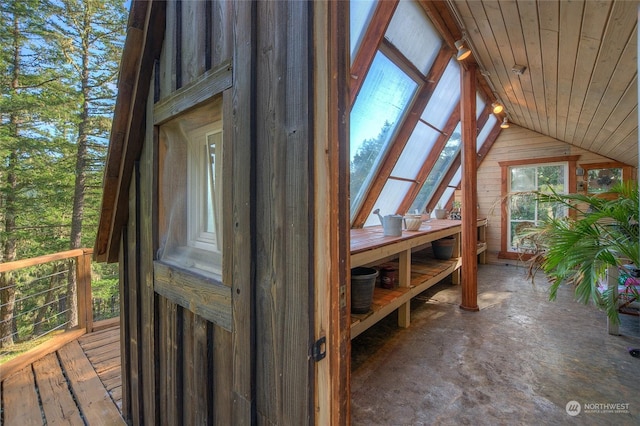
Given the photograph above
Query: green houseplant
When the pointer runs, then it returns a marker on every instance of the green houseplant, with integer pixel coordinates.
(577, 249)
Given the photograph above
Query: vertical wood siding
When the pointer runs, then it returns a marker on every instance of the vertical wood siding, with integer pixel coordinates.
(183, 369)
(177, 366)
(283, 202)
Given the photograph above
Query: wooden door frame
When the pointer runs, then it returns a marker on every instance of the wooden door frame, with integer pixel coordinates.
(331, 190)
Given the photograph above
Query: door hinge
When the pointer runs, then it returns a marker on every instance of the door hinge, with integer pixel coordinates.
(319, 349)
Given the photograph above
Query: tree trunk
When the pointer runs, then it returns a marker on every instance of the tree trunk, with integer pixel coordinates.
(80, 184)
(7, 280)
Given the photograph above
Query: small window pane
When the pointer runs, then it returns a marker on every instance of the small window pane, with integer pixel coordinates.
(602, 180)
(441, 167)
(415, 152)
(389, 201)
(523, 179)
(361, 12)
(381, 103)
(486, 129)
(444, 98)
(408, 25)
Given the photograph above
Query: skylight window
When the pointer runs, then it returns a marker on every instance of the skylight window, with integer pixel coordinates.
(381, 103)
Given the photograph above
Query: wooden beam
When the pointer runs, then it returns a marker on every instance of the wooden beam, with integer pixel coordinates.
(427, 166)
(25, 263)
(134, 131)
(403, 134)
(370, 42)
(195, 93)
(131, 54)
(331, 203)
(29, 357)
(469, 191)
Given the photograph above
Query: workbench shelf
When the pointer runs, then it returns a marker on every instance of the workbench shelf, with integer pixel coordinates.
(412, 258)
(424, 274)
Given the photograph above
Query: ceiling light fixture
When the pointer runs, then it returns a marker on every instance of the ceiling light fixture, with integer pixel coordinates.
(505, 123)
(518, 69)
(463, 50)
(497, 108)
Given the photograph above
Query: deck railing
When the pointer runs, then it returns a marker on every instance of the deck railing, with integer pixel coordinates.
(37, 297)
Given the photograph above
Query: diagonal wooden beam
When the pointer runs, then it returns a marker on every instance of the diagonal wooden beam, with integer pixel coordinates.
(135, 130)
(370, 43)
(402, 135)
(430, 162)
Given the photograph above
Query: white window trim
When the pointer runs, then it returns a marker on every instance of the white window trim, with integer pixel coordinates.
(197, 188)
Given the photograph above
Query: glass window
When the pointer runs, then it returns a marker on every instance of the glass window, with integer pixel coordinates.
(409, 24)
(440, 168)
(361, 12)
(203, 193)
(484, 132)
(190, 183)
(416, 151)
(444, 98)
(524, 211)
(602, 180)
(389, 200)
(381, 103)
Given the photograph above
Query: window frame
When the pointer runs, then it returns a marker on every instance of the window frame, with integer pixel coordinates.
(505, 166)
(197, 188)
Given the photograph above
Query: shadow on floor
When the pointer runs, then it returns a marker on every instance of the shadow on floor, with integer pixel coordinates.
(520, 360)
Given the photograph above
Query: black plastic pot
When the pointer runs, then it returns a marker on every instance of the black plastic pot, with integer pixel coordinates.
(443, 248)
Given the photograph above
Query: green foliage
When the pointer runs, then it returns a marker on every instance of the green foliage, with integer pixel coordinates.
(578, 250)
(365, 159)
(59, 62)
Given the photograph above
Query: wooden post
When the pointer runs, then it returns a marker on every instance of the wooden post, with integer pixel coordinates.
(83, 282)
(404, 280)
(469, 190)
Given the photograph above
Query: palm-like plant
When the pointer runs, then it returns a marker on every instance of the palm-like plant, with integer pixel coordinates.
(579, 248)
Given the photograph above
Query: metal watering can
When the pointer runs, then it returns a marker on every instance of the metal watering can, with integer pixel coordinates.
(391, 224)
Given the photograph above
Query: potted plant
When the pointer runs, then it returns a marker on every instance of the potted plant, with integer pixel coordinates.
(456, 213)
(577, 249)
(439, 212)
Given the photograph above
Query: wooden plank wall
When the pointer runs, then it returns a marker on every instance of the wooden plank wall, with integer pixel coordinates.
(515, 143)
(177, 367)
(284, 206)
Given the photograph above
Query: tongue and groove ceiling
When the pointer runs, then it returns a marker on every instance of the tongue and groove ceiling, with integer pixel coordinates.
(578, 86)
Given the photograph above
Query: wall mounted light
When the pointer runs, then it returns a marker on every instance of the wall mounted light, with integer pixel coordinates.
(497, 108)
(463, 50)
(505, 123)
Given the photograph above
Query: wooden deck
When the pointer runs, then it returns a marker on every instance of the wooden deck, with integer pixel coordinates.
(79, 384)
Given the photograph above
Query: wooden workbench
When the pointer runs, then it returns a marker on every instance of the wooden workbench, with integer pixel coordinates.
(417, 269)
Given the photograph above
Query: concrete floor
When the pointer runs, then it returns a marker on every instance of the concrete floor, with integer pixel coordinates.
(519, 360)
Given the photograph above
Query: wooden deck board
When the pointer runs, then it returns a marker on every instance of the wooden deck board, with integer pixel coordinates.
(19, 392)
(57, 403)
(93, 399)
(91, 390)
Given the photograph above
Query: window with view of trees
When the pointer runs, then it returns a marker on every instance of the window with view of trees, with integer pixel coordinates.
(379, 108)
(524, 210)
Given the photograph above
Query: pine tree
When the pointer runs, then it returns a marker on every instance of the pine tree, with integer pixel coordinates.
(90, 34)
(27, 75)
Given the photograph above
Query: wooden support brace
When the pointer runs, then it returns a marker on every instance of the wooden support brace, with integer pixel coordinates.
(404, 311)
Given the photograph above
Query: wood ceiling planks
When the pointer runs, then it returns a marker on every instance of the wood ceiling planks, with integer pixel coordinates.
(581, 59)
